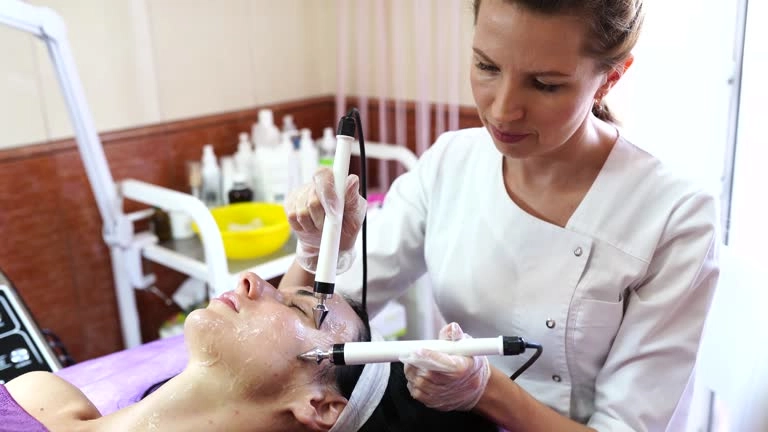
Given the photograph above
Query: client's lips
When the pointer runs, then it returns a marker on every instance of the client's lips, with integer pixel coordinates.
(507, 137)
(229, 299)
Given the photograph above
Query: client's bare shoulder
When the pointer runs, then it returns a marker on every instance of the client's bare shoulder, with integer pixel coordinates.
(51, 399)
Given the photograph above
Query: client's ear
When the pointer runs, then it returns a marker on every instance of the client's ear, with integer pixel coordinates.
(318, 409)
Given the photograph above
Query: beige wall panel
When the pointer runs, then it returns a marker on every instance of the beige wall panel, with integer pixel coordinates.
(319, 17)
(202, 56)
(292, 45)
(108, 41)
(21, 115)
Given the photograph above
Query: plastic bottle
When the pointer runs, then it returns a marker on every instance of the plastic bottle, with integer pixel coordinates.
(290, 145)
(256, 176)
(228, 170)
(240, 192)
(161, 224)
(265, 133)
(254, 132)
(276, 167)
(266, 139)
(195, 177)
(243, 157)
(308, 156)
(327, 148)
(211, 177)
(290, 128)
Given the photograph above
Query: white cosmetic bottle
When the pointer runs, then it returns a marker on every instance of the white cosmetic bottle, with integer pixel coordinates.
(327, 148)
(228, 171)
(211, 177)
(276, 169)
(290, 128)
(266, 140)
(308, 156)
(243, 157)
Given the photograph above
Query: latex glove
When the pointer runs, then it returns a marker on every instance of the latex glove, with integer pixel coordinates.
(308, 206)
(446, 382)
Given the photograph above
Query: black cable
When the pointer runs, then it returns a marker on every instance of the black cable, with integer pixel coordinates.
(58, 347)
(530, 361)
(364, 192)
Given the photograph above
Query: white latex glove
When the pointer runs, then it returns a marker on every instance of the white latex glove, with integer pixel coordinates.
(307, 208)
(446, 382)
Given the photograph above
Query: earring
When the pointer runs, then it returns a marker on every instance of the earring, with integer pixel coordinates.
(598, 106)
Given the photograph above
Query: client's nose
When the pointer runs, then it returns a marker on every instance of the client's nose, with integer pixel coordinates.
(251, 285)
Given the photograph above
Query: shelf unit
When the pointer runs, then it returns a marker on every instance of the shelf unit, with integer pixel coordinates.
(203, 258)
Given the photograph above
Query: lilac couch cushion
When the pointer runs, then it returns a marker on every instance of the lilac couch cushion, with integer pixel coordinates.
(120, 379)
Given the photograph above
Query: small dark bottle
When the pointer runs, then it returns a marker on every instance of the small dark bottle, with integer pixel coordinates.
(240, 191)
(161, 224)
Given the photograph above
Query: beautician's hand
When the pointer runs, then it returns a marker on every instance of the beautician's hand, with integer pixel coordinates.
(307, 207)
(446, 382)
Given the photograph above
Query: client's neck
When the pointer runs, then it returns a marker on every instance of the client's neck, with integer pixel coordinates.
(197, 400)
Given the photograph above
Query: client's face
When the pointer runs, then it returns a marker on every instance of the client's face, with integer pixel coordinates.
(255, 333)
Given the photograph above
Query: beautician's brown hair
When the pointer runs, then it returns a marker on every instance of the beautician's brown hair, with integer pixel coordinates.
(614, 25)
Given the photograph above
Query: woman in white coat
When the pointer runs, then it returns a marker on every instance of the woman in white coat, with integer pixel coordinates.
(547, 224)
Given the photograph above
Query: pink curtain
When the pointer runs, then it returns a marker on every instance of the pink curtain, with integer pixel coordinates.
(387, 62)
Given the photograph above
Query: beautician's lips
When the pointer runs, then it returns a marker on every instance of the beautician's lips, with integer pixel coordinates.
(229, 299)
(507, 138)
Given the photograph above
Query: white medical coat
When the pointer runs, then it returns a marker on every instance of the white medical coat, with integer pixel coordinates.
(617, 297)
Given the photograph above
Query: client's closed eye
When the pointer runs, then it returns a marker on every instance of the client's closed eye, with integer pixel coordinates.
(302, 305)
(294, 305)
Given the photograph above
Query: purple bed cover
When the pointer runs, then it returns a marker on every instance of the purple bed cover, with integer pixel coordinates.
(120, 379)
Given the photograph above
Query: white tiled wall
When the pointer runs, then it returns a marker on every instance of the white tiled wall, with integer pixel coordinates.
(148, 61)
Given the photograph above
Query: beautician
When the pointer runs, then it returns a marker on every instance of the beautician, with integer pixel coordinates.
(546, 223)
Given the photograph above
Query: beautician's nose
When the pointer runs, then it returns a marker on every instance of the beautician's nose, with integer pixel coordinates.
(251, 285)
(507, 103)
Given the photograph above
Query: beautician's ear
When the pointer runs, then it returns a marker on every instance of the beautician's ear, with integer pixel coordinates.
(614, 76)
(318, 409)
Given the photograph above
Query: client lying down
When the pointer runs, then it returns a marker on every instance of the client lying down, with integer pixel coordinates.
(243, 375)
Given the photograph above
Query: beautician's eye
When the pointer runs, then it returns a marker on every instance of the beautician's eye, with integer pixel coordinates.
(547, 88)
(487, 67)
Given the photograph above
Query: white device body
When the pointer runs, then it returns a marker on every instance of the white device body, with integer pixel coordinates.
(391, 351)
(328, 257)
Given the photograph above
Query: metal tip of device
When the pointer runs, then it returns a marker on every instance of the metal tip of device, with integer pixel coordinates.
(315, 355)
(320, 312)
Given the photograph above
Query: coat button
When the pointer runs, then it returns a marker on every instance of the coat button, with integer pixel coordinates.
(578, 251)
(556, 378)
(550, 323)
